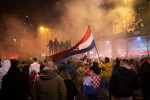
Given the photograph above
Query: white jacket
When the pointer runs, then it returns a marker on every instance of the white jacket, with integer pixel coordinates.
(4, 69)
(35, 66)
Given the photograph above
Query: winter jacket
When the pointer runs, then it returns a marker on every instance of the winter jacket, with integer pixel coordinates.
(4, 69)
(71, 89)
(106, 70)
(123, 82)
(14, 85)
(80, 75)
(49, 86)
(69, 68)
(35, 66)
(145, 75)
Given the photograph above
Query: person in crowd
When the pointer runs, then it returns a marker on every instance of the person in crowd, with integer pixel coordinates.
(0, 63)
(62, 45)
(41, 69)
(34, 66)
(80, 75)
(60, 67)
(49, 85)
(106, 74)
(123, 82)
(14, 83)
(91, 82)
(51, 47)
(69, 68)
(32, 78)
(66, 44)
(45, 62)
(4, 69)
(132, 64)
(70, 85)
(116, 66)
(145, 79)
(56, 45)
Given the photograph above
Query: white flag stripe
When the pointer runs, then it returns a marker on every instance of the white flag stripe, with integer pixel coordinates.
(86, 43)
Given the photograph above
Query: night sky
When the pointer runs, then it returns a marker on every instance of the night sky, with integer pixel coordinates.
(39, 11)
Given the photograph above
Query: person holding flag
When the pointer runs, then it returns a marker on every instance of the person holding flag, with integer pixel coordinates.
(91, 82)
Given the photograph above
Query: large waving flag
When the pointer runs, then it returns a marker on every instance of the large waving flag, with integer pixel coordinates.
(84, 45)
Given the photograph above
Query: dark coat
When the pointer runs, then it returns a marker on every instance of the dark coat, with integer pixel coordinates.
(49, 86)
(123, 82)
(71, 89)
(14, 85)
(145, 75)
(69, 68)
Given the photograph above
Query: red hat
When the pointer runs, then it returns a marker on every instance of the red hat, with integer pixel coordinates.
(87, 66)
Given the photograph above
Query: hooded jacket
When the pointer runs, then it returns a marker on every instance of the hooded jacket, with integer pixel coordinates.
(4, 69)
(123, 82)
(49, 86)
(69, 68)
(80, 75)
(106, 70)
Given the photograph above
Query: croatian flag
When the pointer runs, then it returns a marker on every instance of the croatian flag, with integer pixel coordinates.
(91, 83)
(85, 44)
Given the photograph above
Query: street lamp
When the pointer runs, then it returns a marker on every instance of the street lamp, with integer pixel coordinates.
(44, 30)
(15, 44)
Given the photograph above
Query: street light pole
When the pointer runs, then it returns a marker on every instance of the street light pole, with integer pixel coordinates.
(126, 28)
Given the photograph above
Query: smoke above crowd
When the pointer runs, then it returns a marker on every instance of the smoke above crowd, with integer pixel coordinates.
(106, 18)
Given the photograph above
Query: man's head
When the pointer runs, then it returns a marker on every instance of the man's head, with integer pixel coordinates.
(106, 60)
(124, 62)
(50, 66)
(35, 59)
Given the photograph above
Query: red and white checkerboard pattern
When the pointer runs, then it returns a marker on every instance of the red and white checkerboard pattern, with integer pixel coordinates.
(96, 80)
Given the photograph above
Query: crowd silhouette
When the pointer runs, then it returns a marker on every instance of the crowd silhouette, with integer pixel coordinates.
(55, 46)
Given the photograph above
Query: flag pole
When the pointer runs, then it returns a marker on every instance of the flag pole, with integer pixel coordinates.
(97, 50)
(98, 53)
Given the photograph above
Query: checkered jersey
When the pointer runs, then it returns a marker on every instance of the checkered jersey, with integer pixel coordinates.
(96, 80)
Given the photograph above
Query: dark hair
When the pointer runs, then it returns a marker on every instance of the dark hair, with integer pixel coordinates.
(106, 60)
(14, 70)
(35, 59)
(68, 62)
(41, 67)
(131, 61)
(125, 61)
(95, 68)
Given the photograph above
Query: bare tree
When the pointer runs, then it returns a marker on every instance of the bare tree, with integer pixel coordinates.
(146, 42)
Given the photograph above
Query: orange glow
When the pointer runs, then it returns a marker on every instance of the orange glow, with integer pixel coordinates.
(42, 28)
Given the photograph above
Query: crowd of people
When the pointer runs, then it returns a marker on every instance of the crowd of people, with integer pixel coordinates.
(55, 46)
(42, 80)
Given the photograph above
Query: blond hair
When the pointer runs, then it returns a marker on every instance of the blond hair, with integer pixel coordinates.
(65, 75)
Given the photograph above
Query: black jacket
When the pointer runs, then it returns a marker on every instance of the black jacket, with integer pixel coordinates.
(71, 89)
(14, 85)
(123, 82)
(145, 75)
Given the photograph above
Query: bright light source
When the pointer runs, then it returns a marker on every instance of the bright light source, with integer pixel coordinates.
(138, 38)
(15, 40)
(107, 42)
(42, 28)
(91, 52)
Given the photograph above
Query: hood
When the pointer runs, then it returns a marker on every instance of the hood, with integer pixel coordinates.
(125, 71)
(6, 63)
(81, 71)
(48, 74)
